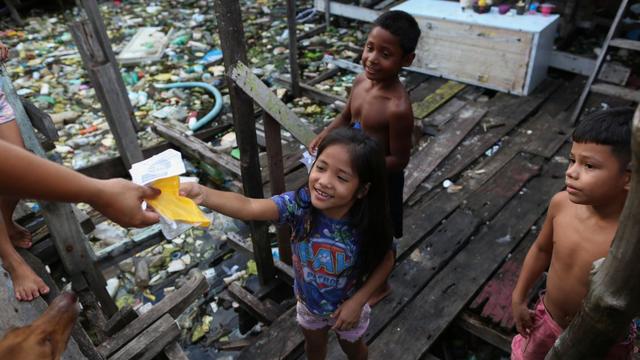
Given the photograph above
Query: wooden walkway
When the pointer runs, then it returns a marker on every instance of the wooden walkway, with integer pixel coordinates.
(462, 250)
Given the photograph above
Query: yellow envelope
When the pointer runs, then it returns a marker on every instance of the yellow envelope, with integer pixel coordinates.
(175, 207)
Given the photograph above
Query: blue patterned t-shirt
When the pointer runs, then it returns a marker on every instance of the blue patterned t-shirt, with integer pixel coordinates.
(324, 262)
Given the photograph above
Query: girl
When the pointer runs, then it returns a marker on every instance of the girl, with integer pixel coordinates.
(341, 240)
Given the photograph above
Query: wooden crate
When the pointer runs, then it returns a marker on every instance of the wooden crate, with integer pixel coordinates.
(501, 52)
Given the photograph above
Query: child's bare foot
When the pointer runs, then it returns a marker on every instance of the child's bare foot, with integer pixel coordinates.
(20, 237)
(381, 293)
(26, 284)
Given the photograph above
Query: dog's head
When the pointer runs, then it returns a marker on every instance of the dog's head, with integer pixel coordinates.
(46, 338)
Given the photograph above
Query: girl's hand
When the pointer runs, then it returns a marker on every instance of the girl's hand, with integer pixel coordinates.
(193, 191)
(523, 317)
(347, 316)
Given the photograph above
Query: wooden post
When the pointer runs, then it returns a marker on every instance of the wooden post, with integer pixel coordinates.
(105, 77)
(93, 15)
(293, 48)
(233, 47)
(327, 13)
(614, 298)
(276, 171)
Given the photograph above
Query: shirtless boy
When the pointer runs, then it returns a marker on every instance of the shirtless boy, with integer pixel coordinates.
(380, 105)
(580, 225)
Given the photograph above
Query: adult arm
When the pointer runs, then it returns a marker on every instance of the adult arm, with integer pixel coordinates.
(27, 175)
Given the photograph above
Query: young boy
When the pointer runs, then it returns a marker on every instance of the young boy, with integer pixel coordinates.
(380, 105)
(580, 225)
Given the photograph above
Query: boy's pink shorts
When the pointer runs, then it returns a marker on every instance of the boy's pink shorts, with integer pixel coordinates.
(544, 333)
(310, 321)
(6, 112)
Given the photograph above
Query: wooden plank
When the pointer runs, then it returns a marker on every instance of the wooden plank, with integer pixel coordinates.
(435, 100)
(294, 69)
(174, 351)
(611, 72)
(311, 92)
(276, 172)
(625, 44)
(262, 95)
(443, 114)
(173, 305)
(99, 30)
(120, 320)
(617, 91)
(151, 341)
(40, 120)
(422, 163)
(503, 109)
(438, 303)
(493, 301)
(263, 311)
(283, 340)
(477, 328)
(348, 11)
(105, 78)
(470, 53)
(197, 148)
(324, 76)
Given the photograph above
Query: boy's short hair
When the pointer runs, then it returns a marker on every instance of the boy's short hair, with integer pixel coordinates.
(403, 26)
(610, 127)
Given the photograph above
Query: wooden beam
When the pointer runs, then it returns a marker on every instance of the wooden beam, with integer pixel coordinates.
(93, 15)
(425, 160)
(625, 44)
(231, 32)
(468, 322)
(263, 311)
(617, 91)
(198, 148)
(105, 78)
(294, 69)
(311, 92)
(174, 351)
(151, 341)
(433, 101)
(276, 179)
(172, 305)
(348, 11)
(262, 95)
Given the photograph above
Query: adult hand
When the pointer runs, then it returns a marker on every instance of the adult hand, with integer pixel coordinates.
(121, 201)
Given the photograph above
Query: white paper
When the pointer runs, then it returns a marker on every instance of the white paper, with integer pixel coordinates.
(166, 164)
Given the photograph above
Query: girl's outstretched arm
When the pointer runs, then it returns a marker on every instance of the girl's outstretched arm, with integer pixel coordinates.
(231, 204)
(348, 314)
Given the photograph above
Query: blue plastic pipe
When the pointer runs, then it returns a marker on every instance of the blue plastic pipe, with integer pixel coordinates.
(212, 89)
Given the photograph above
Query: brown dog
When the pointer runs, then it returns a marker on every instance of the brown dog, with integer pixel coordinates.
(46, 338)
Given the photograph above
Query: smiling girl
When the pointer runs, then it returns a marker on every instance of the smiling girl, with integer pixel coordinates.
(341, 238)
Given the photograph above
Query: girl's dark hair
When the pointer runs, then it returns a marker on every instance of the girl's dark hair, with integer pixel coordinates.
(369, 215)
(610, 127)
(403, 26)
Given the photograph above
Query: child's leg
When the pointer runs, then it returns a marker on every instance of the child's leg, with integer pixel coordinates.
(354, 350)
(20, 236)
(26, 284)
(315, 343)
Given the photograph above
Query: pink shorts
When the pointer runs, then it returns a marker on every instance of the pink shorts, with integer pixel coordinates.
(6, 112)
(310, 321)
(544, 333)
